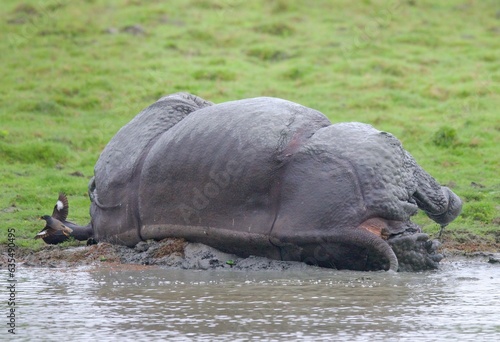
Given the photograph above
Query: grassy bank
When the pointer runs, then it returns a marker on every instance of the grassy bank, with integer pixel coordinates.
(73, 73)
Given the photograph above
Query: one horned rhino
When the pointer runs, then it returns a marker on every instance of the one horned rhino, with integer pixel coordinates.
(266, 177)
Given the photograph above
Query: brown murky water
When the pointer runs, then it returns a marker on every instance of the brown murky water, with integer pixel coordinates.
(459, 302)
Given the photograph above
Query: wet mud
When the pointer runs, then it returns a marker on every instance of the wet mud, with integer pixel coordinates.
(179, 254)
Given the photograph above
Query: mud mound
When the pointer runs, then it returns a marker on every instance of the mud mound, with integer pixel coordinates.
(180, 254)
(174, 253)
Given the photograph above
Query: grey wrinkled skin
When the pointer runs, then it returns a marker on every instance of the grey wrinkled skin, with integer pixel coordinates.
(267, 177)
(416, 252)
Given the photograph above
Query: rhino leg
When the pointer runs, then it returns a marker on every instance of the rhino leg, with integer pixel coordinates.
(375, 245)
(341, 249)
(416, 252)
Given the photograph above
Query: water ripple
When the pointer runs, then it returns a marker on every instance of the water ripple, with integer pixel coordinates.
(83, 304)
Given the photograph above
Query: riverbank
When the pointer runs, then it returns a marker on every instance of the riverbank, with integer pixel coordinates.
(179, 254)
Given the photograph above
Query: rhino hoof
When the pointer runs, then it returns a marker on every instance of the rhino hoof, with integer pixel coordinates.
(416, 252)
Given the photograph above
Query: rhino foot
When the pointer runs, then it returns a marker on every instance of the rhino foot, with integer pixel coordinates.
(416, 252)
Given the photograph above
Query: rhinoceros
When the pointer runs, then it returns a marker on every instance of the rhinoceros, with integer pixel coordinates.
(265, 177)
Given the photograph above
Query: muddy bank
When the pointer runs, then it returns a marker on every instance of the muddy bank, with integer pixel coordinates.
(179, 254)
(172, 253)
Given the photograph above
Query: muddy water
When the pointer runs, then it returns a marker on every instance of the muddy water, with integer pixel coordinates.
(461, 302)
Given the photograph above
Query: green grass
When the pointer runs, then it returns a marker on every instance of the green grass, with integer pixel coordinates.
(73, 74)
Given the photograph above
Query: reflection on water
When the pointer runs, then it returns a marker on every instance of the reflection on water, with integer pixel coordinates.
(458, 302)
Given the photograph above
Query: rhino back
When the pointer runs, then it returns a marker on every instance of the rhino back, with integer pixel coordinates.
(222, 166)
